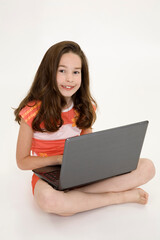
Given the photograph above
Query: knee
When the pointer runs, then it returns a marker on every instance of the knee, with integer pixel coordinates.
(147, 169)
(47, 201)
(52, 202)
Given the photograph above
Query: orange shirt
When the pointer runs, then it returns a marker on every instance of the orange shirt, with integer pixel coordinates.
(50, 143)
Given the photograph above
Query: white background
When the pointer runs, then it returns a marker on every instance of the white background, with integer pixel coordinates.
(121, 40)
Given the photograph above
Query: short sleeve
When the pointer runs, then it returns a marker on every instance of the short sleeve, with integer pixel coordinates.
(94, 107)
(29, 112)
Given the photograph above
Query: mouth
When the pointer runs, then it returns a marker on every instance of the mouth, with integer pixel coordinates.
(67, 87)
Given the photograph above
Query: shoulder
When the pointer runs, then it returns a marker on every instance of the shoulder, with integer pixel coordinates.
(29, 112)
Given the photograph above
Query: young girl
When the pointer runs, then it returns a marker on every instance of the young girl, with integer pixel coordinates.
(58, 106)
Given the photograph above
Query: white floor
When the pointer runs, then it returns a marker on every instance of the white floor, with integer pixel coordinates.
(124, 57)
(22, 219)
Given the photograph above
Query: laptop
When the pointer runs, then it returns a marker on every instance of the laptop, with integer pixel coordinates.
(96, 156)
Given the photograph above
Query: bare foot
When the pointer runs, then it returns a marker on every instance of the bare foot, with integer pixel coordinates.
(136, 195)
(143, 196)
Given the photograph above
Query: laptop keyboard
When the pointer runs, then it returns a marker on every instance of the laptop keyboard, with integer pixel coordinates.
(53, 176)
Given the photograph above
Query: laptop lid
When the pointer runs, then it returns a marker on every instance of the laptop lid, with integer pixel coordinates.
(100, 155)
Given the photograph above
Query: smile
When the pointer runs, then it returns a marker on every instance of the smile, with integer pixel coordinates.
(68, 87)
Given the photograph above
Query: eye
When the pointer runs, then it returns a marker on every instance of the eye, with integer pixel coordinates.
(76, 72)
(61, 70)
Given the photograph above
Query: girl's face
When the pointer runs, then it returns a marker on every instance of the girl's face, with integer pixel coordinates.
(69, 75)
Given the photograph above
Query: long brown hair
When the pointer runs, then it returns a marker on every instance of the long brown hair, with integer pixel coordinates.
(45, 90)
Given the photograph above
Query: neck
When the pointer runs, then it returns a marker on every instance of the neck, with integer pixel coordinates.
(68, 103)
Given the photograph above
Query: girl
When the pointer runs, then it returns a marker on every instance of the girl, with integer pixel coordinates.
(58, 106)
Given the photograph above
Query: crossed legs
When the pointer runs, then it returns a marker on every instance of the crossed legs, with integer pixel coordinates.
(116, 190)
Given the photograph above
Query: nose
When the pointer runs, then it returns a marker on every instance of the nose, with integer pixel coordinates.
(69, 78)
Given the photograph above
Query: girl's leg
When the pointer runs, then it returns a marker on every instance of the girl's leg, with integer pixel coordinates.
(145, 171)
(71, 202)
(104, 193)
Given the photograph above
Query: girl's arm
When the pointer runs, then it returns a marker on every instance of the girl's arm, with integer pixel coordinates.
(86, 131)
(24, 160)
